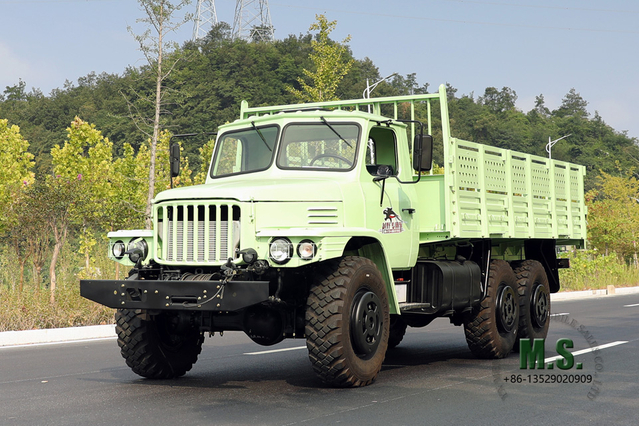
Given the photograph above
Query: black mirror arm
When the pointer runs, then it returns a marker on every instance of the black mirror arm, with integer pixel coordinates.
(383, 179)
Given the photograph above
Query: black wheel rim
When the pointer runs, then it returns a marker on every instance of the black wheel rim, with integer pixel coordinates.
(507, 309)
(539, 306)
(366, 323)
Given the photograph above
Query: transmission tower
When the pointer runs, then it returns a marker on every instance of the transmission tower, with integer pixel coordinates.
(205, 18)
(252, 21)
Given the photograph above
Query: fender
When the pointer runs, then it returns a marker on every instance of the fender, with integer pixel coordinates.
(372, 249)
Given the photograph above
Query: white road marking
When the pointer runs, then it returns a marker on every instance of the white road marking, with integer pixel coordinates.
(563, 314)
(66, 342)
(630, 306)
(275, 351)
(585, 351)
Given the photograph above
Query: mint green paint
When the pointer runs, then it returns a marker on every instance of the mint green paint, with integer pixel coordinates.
(485, 192)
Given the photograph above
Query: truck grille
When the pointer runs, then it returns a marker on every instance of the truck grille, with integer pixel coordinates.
(197, 233)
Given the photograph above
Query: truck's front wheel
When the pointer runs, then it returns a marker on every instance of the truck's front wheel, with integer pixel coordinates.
(156, 346)
(491, 330)
(347, 322)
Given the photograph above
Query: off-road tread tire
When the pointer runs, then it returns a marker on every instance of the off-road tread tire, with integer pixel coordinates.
(482, 334)
(328, 340)
(527, 273)
(397, 330)
(145, 352)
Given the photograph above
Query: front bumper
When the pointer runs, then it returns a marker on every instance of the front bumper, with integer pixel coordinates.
(175, 295)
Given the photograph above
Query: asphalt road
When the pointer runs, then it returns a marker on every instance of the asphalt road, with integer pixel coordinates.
(431, 378)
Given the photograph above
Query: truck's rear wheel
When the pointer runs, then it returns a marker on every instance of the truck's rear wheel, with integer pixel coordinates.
(491, 330)
(153, 347)
(347, 320)
(397, 330)
(534, 300)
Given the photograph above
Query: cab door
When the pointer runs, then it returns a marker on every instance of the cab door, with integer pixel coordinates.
(393, 218)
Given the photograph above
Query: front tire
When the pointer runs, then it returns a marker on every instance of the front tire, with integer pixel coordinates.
(491, 330)
(152, 347)
(347, 322)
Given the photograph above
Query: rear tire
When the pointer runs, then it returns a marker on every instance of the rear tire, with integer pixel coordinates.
(491, 330)
(534, 300)
(151, 346)
(347, 322)
(397, 331)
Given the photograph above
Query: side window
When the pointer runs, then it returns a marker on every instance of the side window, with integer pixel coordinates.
(381, 149)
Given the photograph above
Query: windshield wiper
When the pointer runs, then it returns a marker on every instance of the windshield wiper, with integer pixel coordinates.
(261, 135)
(335, 131)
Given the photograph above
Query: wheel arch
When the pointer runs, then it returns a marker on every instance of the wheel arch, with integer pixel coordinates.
(545, 253)
(372, 249)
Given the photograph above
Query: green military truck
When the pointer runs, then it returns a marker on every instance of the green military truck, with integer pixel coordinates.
(321, 222)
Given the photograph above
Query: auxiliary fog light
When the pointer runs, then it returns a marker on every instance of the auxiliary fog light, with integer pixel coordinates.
(117, 249)
(280, 250)
(137, 249)
(306, 249)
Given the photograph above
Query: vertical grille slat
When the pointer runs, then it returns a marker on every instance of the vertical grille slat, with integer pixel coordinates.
(198, 232)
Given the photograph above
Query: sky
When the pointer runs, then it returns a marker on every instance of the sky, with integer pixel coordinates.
(532, 46)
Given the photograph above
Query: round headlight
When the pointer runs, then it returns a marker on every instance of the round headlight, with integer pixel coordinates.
(280, 250)
(306, 249)
(117, 249)
(137, 249)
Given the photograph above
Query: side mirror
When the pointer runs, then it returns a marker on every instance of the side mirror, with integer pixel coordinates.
(175, 160)
(382, 172)
(423, 153)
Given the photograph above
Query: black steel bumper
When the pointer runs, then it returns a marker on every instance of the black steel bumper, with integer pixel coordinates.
(175, 295)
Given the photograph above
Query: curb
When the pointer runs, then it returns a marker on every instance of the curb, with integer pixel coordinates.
(91, 332)
(56, 335)
(610, 291)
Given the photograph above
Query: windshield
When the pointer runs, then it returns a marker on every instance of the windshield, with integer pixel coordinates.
(320, 146)
(245, 151)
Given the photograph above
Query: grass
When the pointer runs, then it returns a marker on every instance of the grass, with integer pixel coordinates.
(591, 270)
(31, 309)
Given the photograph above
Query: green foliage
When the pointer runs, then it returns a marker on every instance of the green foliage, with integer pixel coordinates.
(104, 174)
(206, 153)
(613, 215)
(331, 61)
(591, 270)
(15, 167)
(30, 308)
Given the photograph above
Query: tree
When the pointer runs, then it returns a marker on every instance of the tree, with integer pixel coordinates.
(88, 158)
(16, 165)
(540, 107)
(572, 105)
(613, 215)
(331, 61)
(157, 50)
(499, 101)
(206, 152)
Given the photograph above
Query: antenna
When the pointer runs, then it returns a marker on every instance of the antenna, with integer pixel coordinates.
(205, 18)
(252, 21)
